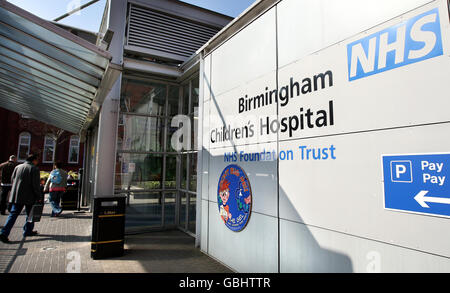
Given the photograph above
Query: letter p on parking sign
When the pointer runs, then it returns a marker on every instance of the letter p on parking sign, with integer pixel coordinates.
(401, 171)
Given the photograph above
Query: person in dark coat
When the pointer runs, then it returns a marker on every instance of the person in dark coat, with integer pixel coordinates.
(25, 192)
(7, 168)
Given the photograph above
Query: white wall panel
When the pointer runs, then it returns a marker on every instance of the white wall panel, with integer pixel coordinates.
(206, 124)
(205, 174)
(207, 79)
(346, 194)
(306, 26)
(253, 250)
(318, 250)
(225, 111)
(204, 227)
(402, 96)
(332, 213)
(246, 56)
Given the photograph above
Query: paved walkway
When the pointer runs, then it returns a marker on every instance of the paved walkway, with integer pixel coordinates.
(63, 245)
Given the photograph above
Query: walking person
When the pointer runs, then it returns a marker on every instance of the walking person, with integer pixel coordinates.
(56, 184)
(25, 192)
(7, 169)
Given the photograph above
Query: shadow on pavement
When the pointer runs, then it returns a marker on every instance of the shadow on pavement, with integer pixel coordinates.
(59, 238)
(168, 252)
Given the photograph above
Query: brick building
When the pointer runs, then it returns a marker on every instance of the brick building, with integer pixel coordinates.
(20, 136)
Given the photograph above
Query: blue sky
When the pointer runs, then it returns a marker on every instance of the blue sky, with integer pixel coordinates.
(89, 18)
(229, 7)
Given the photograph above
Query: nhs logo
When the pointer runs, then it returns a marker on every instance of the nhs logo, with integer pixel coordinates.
(411, 41)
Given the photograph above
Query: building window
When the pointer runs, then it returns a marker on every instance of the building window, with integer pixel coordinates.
(74, 149)
(49, 149)
(24, 146)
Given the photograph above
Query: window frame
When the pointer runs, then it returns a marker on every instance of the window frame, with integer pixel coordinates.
(70, 149)
(49, 136)
(22, 134)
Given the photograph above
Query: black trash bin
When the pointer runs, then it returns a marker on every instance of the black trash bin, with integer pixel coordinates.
(69, 199)
(108, 227)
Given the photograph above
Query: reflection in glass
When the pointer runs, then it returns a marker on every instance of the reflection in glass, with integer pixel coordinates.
(49, 149)
(174, 98)
(141, 134)
(24, 146)
(169, 208)
(144, 210)
(74, 149)
(183, 208)
(144, 146)
(186, 99)
(143, 97)
(192, 212)
(193, 172)
(194, 127)
(24, 150)
(170, 131)
(194, 96)
(183, 171)
(138, 172)
(171, 172)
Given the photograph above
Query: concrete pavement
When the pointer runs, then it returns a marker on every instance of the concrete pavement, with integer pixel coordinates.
(63, 246)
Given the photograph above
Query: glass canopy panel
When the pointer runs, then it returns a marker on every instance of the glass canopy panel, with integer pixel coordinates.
(36, 93)
(48, 73)
(14, 96)
(21, 73)
(6, 44)
(39, 87)
(45, 68)
(29, 27)
(65, 86)
(50, 50)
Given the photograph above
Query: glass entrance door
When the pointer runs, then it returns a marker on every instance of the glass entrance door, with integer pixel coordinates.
(188, 210)
(89, 168)
(158, 180)
(146, 164)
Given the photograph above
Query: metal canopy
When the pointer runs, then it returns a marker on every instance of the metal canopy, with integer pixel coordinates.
(49, 74)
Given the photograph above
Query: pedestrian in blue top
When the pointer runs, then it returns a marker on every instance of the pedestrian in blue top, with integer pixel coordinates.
(56, 184)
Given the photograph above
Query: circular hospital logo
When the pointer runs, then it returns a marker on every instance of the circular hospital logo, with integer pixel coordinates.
(234, 196)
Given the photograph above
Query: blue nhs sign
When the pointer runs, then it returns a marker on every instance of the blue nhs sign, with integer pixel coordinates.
(413, 40)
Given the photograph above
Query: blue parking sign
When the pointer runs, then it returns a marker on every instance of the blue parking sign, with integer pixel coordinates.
(417, 183)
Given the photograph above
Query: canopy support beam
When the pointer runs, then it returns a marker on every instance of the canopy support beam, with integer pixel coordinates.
(75, 10)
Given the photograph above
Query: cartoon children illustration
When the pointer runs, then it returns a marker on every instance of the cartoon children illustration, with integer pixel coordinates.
(243, 203)
(224, 195)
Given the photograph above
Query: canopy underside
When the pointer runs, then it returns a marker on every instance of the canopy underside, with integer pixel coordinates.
(49, 74)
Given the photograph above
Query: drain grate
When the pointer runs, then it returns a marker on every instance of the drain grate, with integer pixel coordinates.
(48, 248)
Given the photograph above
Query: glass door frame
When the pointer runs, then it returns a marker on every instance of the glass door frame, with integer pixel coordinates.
(178, 191)
(164, 153)
(189, 193)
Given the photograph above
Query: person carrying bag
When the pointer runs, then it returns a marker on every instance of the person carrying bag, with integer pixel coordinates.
(38, 207)
(6, 169)
(25, 192)
(56, 184)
